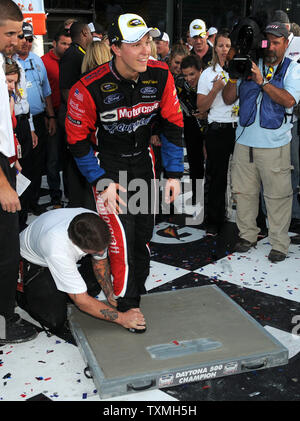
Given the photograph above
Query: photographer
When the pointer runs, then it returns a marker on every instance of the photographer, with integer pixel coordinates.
(262, 150)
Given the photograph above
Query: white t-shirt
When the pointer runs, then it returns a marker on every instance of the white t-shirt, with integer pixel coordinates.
(7, 145)
(219, 111)
(45, 242)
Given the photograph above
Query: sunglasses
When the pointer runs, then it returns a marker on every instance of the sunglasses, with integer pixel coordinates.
(21, 36)
(29, 39)
(9, 61)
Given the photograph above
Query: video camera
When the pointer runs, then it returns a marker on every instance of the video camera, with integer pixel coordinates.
(248, 43)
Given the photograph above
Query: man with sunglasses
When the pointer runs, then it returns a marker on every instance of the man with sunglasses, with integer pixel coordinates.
(12, 328)
(39, 98)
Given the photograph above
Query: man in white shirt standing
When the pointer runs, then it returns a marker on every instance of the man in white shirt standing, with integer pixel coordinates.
(12, 328)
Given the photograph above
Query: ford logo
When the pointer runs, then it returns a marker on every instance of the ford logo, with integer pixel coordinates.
(111, 99)
(148, 90)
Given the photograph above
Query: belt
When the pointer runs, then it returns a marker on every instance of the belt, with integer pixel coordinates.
(215, 126)
(23, 116)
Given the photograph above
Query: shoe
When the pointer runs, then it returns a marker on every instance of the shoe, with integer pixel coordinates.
(295, 223)
(36, 209)
(295, 239)
(276, 256)
(18, 331)
(263, 233)
(57, 204)
(242, 246)
(212, 231)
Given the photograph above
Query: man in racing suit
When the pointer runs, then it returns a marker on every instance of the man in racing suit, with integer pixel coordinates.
(110, 114)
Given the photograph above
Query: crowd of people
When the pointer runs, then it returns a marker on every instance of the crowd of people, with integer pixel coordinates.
(106, 109)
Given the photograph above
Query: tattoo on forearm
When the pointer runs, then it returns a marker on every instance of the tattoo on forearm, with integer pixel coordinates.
(102, 273)
(109, 314)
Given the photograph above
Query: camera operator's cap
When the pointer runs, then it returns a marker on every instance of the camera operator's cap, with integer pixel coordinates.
(277, 29)
(130, 28)
(27, 29)
(198, 28)
(212, 31)
(163, 37)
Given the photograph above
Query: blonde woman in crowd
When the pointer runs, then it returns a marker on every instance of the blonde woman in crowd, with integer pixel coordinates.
(153, 54)
(178, 52)
(98, 52)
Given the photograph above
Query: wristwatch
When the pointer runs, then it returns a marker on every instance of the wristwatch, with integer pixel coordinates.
(265, 82)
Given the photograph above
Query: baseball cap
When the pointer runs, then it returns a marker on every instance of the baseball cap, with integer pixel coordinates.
(163, 37)
(96, 27)
(198, 28)
(212, 31)
(130, 28)
(278, 29)
(27, 29)
(280, 16)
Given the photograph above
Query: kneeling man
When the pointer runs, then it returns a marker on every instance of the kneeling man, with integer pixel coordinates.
(51, 246)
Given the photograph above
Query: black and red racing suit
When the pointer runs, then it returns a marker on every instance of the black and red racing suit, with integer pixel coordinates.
(108, 124)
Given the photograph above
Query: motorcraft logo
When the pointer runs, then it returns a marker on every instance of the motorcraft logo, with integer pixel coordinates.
(144, 108)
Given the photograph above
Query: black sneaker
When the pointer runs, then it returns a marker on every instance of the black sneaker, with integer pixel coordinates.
(57, 204)
(17, 331)
(212, 230)
(276, 256)
(295, 239)
(36, 209)
(242, 246)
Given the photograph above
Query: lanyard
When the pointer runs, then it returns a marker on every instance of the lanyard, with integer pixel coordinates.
(80, 49)
(224, 76)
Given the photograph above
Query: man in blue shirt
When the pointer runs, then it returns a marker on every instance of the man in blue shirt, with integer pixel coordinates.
(39, 98)
(262, 151)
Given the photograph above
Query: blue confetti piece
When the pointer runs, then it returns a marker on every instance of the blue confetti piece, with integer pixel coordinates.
(84, 395)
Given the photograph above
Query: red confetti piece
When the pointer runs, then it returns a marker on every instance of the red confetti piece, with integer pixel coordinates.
(176, 342)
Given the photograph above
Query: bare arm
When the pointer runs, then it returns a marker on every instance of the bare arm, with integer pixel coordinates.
(130, 319)
(102, 273)
(278, 95)
(9, 199)
(230, 92)
(51, 123)
(204, 102)
(65, 94)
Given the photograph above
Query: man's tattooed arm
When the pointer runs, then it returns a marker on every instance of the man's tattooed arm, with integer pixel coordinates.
(131, 318)
(102, 273)
(110, 315)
